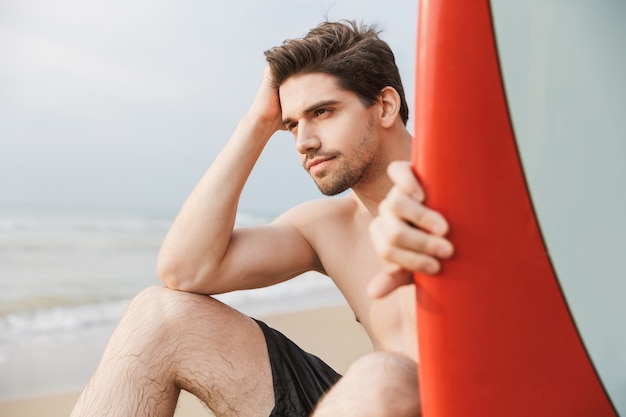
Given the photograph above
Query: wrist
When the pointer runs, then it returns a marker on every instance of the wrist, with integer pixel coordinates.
(262, 127)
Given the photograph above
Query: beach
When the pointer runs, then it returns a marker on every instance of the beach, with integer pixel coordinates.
(67, 275)
(328, 332)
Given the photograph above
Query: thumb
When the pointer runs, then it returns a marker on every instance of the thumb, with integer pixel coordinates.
(386, 282)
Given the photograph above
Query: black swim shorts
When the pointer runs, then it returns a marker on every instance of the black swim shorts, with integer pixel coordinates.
(299, 378)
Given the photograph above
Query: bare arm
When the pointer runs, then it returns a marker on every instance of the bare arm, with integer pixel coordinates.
(201, 253)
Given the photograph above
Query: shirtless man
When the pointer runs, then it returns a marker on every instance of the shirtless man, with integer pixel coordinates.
(338, 91)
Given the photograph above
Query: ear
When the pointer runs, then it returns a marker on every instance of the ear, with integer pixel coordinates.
(389, 101)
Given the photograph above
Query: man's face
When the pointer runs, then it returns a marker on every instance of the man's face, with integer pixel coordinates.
(335, 133)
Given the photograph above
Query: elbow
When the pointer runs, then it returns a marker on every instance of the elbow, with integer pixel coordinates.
(169, 274)
(169, 277)
(181, 276)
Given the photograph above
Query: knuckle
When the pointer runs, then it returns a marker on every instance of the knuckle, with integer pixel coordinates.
(384, 206)
(430, 244)
(394, 234)
(386, 252)
(421, 215)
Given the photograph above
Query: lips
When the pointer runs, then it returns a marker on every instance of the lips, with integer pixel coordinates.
(315, 162)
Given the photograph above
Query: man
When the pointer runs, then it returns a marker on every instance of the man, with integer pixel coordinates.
(338, 91)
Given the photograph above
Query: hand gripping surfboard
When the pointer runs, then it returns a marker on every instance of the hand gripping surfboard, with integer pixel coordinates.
(496, 337)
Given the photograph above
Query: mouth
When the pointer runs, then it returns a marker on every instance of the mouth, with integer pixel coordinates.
(317, 164)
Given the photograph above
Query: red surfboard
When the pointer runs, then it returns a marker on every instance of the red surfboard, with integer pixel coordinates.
(496, 337)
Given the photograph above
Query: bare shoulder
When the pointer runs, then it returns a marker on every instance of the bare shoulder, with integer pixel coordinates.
(321, 212)
(332, 227)
(328, 225)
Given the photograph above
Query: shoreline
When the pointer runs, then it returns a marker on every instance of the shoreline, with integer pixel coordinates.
(328, 332)
(55, 350)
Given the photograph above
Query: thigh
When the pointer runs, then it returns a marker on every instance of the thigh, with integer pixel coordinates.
(169, 340)
(206, 348)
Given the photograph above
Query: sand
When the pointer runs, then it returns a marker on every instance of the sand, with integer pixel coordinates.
(331, 333)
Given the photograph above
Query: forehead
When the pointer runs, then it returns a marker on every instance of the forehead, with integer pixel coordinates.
(303, 91)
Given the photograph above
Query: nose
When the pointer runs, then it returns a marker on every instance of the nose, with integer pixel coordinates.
(307, 138)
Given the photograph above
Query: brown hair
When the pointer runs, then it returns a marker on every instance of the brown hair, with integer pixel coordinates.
(352, 53)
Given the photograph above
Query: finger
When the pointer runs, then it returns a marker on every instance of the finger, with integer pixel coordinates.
(413, 261)
(403, 177)
(406, 208)
(386, 282)
(394, 227)
(393, 249)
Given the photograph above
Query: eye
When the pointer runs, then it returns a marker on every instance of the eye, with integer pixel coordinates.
(291, 126)
(320, 112)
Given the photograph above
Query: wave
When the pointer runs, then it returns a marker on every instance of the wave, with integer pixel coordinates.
(43, 315)
(18, 325)
(67, 277)
(64, 271)
(41, 232)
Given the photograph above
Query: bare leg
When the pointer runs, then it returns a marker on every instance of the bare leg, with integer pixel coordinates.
(376, 385)
(170, 340)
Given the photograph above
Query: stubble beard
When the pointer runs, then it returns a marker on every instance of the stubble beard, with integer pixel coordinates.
(344, 179)
(346, 175)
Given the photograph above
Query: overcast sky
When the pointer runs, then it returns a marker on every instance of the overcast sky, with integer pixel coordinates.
(125, 103)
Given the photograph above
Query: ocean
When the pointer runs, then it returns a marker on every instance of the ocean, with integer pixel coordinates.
(66, 276)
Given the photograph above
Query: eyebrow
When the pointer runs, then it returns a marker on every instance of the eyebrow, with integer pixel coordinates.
(312, 108)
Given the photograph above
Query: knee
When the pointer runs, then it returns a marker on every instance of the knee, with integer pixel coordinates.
(386, 362)
(157, 304)
(387, 374)
(157, 297)
(161, 311)
(377, 384)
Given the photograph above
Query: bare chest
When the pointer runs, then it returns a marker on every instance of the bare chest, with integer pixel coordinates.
(350, 260)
